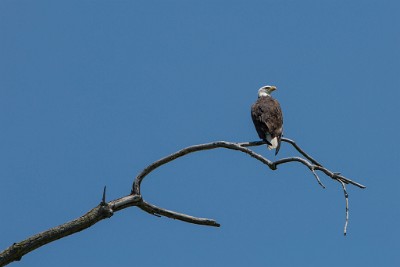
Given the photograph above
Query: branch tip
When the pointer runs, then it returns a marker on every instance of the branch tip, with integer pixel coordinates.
(317, 178)
(157, 211)
(103, 199)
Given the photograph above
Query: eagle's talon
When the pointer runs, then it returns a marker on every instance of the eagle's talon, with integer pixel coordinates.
(268, 143)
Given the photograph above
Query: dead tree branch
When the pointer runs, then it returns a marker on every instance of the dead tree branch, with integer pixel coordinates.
(107, 209)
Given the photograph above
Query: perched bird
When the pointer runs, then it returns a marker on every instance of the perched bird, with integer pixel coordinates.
(267, 118)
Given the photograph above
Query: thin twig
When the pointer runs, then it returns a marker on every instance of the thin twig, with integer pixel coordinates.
(336, 177)
(318, 180)
(103, 199)
(346, 197)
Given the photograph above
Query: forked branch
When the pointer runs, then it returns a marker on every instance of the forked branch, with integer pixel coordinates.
(107, 209)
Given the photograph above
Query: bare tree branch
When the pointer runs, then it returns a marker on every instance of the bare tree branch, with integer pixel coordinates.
(301, 151)
(107, 209)
(192, 149)
(346, 197)
(17, 250)
(147, 207)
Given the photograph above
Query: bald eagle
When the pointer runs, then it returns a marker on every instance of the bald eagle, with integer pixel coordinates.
(267, 118)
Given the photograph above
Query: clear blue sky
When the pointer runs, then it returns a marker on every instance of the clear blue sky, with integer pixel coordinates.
(91, 92)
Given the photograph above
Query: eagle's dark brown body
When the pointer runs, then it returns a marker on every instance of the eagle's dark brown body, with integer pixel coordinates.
(268, 120)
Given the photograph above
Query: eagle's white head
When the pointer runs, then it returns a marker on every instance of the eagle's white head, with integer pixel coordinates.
(266, 90)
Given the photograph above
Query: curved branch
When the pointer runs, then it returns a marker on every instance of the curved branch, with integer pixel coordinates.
(241, 147)
(192, 149)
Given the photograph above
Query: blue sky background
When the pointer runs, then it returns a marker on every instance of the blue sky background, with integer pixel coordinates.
(91, 92)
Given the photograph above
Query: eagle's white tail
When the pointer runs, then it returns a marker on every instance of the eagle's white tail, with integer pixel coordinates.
(273, 141)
